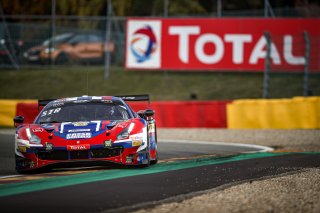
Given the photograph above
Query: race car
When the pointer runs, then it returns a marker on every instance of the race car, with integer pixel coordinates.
(86, 131)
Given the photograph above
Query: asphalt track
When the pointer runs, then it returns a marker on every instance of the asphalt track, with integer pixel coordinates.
(167, 150)
(122, 190)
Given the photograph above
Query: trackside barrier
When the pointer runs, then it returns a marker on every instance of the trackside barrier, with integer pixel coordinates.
(187, 114)
(295, 113)
(8, 111)
(210, 114)
(28, 110)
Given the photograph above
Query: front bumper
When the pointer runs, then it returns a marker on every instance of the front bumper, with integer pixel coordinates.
(38, 157)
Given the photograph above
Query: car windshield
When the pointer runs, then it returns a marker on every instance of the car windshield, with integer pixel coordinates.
(57, 39)
(73, 112)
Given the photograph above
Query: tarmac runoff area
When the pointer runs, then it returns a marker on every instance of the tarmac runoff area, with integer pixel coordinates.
(294, 191)
(297, 191)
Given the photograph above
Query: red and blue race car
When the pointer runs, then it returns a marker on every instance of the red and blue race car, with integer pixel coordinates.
(87, 130)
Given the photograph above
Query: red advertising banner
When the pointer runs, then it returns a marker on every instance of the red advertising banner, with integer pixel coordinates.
(222, 44)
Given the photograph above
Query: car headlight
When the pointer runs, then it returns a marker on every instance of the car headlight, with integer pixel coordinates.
(32, 137)
(49, 50)
(123, 135)
(126, 132)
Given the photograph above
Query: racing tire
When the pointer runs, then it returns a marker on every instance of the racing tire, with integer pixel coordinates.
(63, 59)
(19, 159)
(146, 164)
(152, 162)
(148, 156)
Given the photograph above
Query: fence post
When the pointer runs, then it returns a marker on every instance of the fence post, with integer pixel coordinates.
(266, 76)
(10, 49)
(53, 31)
(219, 8)
(306, 64)
(165, 8)
(108, 36)
(268, 9)
(265, 8)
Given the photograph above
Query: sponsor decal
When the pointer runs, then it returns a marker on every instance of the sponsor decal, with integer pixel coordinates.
(106, 101)
(136, 143)
(78, 135)
(80, 123)
(143, 44)
(142, 55)
(37, 130)
(50, 112)
(22, 148)
(78, 147)
(59, 104)
(137, 140)
(80, 101)
(108, 143)
(79, 130)
(151, 128)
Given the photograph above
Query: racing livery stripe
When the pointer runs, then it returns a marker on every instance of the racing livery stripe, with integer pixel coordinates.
(55, 182)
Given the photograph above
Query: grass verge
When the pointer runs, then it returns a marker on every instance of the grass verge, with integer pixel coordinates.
(66, 82)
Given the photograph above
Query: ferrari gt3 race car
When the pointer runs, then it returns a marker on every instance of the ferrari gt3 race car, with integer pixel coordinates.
(87, 130)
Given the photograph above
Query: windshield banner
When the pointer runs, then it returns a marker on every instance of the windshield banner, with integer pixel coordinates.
(226, 44)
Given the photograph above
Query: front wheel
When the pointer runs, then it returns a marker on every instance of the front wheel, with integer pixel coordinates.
(152, 162)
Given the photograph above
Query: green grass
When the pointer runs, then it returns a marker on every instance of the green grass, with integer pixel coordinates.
(64, 82)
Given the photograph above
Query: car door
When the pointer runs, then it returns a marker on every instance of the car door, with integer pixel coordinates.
(79, 47)
(94, 47)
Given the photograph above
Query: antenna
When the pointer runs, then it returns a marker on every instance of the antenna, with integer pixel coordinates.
(87, 82)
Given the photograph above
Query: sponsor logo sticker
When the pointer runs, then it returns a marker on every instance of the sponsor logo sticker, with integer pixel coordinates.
(143, 44)
(79, 130)
(80, 123)
(37, 130)
(78, 135)
(78, 147)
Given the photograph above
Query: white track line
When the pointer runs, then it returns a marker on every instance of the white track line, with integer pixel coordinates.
(261, 148)
(4, 132)
(10, 176)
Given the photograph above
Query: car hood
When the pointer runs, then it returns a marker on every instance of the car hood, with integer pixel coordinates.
(37, 48)
(78, 130)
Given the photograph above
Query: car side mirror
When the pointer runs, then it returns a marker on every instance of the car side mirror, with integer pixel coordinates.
(18, 120)
(149, 112)
(141, 114)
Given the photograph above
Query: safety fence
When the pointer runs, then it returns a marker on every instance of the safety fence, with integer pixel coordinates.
(295, 113)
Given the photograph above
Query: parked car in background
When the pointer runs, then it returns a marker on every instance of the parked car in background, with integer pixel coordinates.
(7, 50)
(71, 48)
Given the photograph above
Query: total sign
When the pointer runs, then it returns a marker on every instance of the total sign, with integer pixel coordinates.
(222, 44)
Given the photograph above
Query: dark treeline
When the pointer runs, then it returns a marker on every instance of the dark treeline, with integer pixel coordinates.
(304, 8)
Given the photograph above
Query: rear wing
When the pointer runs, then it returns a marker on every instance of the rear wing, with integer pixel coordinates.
(44, 102)
(144, 97)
